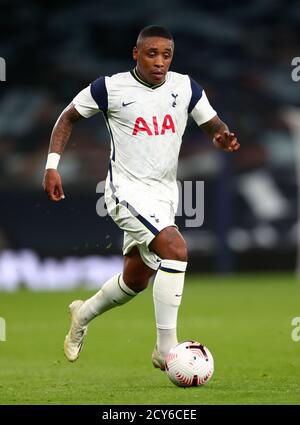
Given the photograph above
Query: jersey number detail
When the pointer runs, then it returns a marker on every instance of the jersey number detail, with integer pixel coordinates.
(141, 125)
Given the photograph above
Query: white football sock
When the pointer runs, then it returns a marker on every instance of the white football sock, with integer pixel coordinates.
(167, 294)
(113, 293)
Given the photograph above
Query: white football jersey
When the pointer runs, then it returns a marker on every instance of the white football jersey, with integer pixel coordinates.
(146, 125)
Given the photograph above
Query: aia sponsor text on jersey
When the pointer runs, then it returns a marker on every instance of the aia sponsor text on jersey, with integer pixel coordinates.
(156, 128)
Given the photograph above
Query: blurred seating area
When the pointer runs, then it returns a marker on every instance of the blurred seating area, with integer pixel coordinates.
(240, 52)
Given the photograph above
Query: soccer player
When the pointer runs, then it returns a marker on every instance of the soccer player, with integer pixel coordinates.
(146, 111)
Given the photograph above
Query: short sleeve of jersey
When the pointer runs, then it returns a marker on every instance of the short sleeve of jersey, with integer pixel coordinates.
(92, 99)
(199, 107)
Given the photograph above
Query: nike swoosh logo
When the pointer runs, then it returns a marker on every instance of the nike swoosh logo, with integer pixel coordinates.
(178, 295)
(129, 103)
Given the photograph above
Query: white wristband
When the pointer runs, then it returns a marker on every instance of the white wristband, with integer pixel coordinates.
(52, 161)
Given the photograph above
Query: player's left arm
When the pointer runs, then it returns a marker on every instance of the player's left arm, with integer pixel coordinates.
(220, 135)
(206, 118)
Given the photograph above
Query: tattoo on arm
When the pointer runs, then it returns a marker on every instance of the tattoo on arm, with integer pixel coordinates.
(62, 129)
(214, 126)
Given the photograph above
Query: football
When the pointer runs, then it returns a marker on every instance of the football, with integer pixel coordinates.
(189, 364)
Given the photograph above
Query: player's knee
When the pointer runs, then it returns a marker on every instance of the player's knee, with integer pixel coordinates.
(170, 245)
(176, 248)
(138, 284)
(178, 252)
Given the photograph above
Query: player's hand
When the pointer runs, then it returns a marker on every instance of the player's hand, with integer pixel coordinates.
(53, 186)
(226, 141)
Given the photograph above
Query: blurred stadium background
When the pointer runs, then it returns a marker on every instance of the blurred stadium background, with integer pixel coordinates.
(239, 52)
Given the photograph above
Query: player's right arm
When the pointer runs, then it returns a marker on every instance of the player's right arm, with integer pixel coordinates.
(60, 135)
(87, 103)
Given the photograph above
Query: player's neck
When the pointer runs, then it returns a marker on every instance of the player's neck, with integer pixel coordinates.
(141, 80)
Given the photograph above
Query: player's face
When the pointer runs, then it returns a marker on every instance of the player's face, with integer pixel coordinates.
(153, 56)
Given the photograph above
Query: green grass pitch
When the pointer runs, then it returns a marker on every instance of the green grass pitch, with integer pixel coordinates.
(244, 320)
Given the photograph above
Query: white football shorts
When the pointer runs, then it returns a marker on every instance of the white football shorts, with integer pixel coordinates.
(141, 217)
